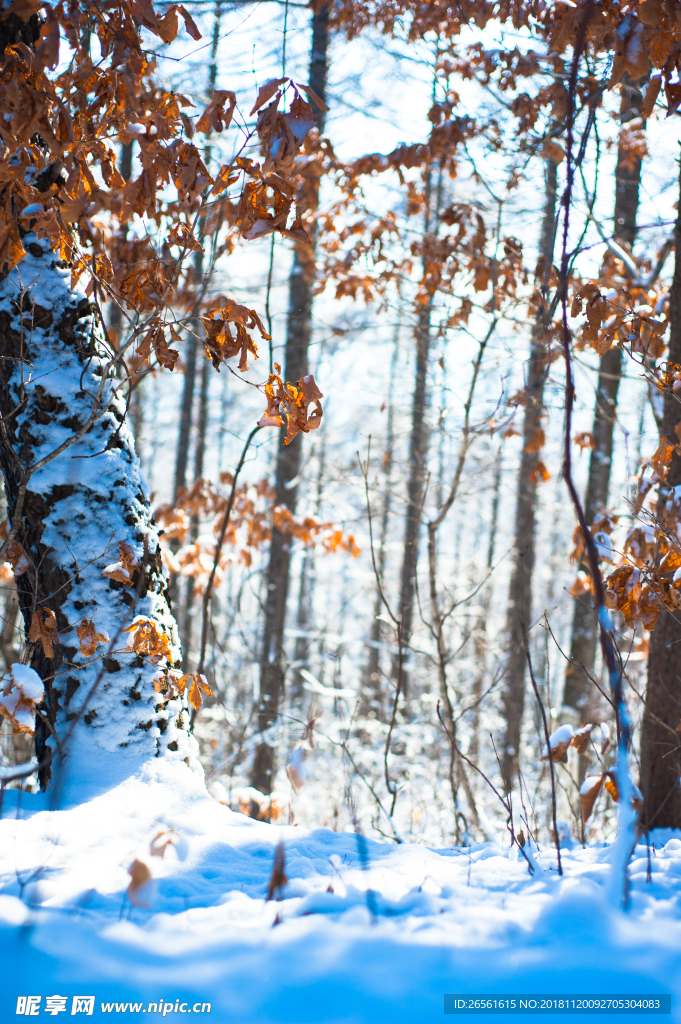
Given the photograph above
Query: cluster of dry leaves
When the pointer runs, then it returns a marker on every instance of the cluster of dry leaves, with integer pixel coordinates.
(254, 513)
(596, 736)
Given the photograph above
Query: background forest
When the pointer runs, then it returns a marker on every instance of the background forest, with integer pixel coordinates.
(391, 613)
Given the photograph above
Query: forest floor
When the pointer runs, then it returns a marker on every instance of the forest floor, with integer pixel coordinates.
(363, 931)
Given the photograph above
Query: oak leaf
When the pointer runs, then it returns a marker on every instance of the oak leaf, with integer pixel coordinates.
(311, 95)
(266, 92)
(44, 629)
(559, 744)
(89, 638)
(145, 639)
(662, 457)
(198, 683)
(123, 570)
(582, 737)
(218, 114)
(613, 788)
(22, 690)
(588, 794)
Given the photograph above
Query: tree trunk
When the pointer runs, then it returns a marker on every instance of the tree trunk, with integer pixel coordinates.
(480, 639)
(520, 590)
(580, 692)
(372, 701)
(301, 286)
(308, 575)
(418, 454)
(199, 459)
(73, 511)
(660, 740)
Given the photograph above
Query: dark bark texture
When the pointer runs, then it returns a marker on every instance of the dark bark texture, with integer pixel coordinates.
(416, 479)
(660, 740)
(580, 692)
(520, 590)
(301, 287)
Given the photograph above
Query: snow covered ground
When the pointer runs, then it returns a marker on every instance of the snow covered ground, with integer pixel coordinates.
(364, 931)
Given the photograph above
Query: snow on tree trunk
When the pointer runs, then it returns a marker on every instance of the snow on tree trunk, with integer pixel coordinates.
(101, 717)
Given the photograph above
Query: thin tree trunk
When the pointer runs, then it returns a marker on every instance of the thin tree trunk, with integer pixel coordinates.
(194, 346)
(301, 287)
(480, 635)
(660, 740)
(456, 770)
(418, 454)
(580, 693)
(520, 590)
(372, 702)
(116, 321)
(304, 621)
(187, 617)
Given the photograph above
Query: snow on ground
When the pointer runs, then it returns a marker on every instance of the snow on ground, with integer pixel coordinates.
(403, 925)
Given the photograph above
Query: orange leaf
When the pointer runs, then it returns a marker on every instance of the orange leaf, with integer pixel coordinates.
(199, 683)
(582, 736)
(537, 441)
(662, 457)
(215, 117)
(588, 794)
(539, 475)
(44, 629)
(140, 877)
(89, 637)
(123, 571)
(146, 639)
(266, 92)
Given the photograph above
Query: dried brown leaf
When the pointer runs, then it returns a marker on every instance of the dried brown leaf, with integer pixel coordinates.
(44, 629)
(140, 877)
(278, 877)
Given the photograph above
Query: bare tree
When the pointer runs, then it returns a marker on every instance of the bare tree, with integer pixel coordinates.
(660, 738)
(520, 590)
(580, 692)
(301, 288)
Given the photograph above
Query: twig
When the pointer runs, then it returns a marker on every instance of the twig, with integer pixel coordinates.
(218, 549)
(547, 736)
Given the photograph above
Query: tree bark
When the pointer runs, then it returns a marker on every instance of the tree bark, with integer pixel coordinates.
(187, 619)
(308, 576)
(520, 590)
(480, 639)
(418, 455)
(372, 699)
(301, 286)
(660, 740)
(73, 512)
(580, 693)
